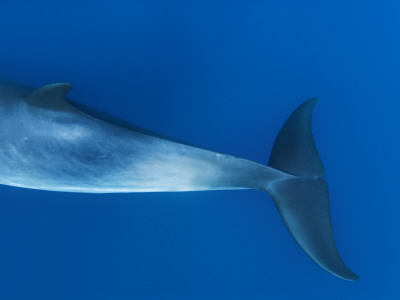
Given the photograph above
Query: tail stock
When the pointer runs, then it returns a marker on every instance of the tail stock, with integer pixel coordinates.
(303, 200)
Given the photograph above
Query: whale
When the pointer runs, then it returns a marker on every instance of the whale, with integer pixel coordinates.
(50, 143)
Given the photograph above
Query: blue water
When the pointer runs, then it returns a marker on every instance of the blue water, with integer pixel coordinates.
(223, 76)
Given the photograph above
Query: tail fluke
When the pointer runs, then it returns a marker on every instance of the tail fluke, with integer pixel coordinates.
(303, 200)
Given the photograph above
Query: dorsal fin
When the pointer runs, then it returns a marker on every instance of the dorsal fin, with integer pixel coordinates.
(51, 96)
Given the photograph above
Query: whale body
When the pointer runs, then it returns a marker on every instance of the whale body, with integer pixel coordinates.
(49, 143)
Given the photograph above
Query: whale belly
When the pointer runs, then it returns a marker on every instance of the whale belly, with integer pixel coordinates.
(73, 152)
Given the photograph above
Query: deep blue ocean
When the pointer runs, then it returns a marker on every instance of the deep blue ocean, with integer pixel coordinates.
(223, 75)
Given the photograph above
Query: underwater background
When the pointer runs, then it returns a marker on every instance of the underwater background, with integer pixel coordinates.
(223, 75)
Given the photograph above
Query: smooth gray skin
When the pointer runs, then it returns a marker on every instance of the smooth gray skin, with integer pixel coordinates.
(48, 144)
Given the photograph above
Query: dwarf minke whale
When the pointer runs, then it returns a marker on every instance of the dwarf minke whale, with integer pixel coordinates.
(49, 143)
